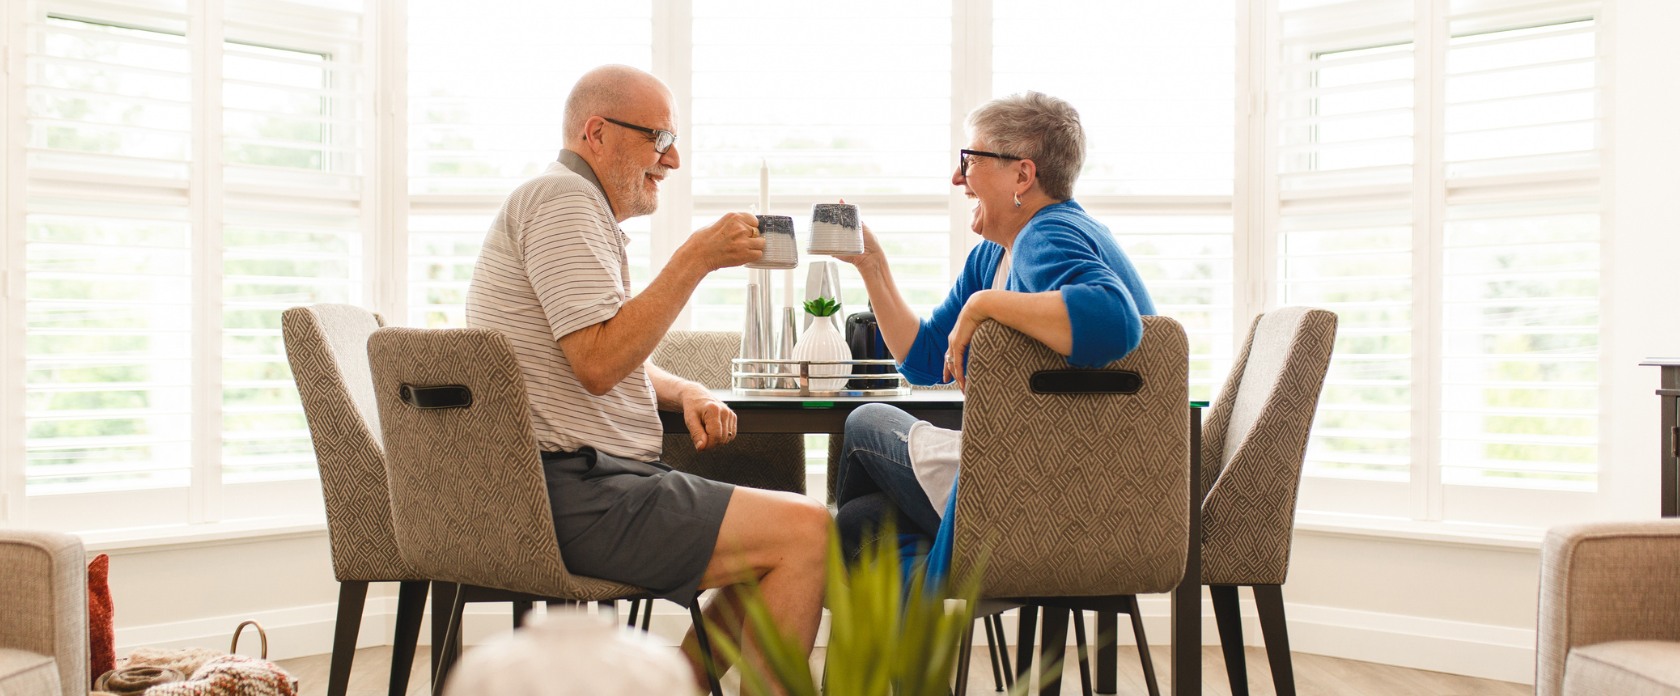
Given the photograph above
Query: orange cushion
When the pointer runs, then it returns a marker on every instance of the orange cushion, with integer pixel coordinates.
(102, 639)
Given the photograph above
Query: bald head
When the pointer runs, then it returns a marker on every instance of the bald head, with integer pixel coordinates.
(607, 90)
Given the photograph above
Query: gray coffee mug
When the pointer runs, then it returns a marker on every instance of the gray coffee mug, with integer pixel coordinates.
(781, 250)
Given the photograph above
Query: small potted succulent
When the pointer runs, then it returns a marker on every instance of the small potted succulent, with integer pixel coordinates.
(824, 346)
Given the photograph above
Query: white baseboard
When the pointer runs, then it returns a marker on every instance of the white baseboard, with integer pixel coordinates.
(1455, 647)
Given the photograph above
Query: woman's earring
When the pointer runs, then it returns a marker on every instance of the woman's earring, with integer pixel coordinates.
(1017, 200)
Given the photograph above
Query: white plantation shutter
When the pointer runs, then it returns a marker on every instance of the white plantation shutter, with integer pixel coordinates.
(108, 263)
(1436, 186)
(295, 114)
(1154, 85)
(486, 95)
(191, 171)
(1345, 124)
(843, 100)
(1520, 258)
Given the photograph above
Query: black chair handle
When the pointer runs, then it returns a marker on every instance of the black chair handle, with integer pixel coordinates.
(1085, 382)
(436, 397)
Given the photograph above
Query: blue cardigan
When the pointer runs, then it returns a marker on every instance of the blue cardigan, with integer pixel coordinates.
(1061, 248)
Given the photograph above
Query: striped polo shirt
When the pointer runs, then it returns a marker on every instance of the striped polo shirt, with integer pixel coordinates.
(554, 262)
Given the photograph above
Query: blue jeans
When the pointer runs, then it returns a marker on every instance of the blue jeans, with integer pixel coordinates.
(875, 464)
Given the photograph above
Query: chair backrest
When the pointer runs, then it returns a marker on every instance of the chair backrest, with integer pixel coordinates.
(43, 587)
(468, 497)
(327, 347)
(774, 461)
(1084, 494)
(1254, 442)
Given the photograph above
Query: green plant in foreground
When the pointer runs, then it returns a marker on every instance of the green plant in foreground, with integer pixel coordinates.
(882, 640)
(822, 307)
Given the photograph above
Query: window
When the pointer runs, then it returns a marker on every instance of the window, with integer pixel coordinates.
(486, 95)
(1154, 84)
(850, 107)
(1436, 185)
(156, 389)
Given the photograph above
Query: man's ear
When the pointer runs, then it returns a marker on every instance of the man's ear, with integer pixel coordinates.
(592, 134)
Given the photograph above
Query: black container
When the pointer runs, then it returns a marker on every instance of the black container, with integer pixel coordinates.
(864, 337)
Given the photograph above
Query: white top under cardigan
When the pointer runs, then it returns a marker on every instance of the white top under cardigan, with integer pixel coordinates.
(935, 452)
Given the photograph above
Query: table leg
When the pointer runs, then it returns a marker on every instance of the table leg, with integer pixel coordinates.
(1187, 598)
(1670, 448)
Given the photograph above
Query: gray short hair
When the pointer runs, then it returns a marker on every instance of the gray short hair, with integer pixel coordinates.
(1038, 127)
(600, 91)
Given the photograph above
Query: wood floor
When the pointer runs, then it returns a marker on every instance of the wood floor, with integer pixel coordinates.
(1315, 675)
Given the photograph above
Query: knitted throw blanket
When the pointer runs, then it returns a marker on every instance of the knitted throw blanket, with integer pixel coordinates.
(158, 672)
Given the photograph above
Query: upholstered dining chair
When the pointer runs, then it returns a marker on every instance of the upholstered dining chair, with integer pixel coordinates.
(1254, 441)
(1075, 484)
(469, 501)
(326, 345)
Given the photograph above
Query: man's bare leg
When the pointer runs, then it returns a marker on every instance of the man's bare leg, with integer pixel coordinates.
(725, 613)
(781, 539)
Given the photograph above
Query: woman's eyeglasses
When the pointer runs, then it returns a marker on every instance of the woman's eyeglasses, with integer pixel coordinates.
(662, 139)
(964, 157)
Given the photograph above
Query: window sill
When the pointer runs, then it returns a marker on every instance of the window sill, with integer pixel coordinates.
(184, 536)
(1485, 536)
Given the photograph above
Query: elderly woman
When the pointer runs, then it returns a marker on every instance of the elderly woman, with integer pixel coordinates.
(1045, 268)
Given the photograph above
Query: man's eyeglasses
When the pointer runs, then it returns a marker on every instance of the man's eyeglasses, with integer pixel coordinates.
(662, 139)
(964, 157)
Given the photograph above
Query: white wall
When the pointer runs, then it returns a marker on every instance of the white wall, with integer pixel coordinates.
(1442, 605)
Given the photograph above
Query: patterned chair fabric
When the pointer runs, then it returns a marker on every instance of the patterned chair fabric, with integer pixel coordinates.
(327, 347)
(1609, 617)
(1253, 444)
(774, 462)
(467, 490)
(44, 625)
(1074, 494)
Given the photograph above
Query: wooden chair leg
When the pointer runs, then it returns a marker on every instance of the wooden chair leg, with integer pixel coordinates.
(451, 642)
(992, 640)
(1003, 651)
(1108, 650)
(520, 611)
(1026, 628)
(963, 655)
(411, 608)
(1083, 654)
(1053, 651)
(705, 646)
(352, 596)
(1227, 613)
(1268, 600)
(1148, 663)
(443, 598)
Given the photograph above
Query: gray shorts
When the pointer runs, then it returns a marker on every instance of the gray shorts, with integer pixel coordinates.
(639, 523)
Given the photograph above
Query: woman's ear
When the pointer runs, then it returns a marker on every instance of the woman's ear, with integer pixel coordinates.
(1026, 174)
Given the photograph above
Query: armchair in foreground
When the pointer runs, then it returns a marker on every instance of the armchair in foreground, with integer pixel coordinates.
(1609, 610)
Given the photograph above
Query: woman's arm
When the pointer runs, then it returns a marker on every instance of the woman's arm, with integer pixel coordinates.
(892, 314)
(1041, 315)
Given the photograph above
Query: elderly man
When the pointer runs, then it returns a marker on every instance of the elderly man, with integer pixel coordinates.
(553, 277)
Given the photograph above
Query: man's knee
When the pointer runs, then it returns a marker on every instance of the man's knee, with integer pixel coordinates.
(805, 522)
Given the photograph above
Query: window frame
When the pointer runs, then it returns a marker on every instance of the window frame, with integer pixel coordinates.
(1425, 501)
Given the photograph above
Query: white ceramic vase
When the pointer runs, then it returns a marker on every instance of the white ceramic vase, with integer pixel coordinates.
(822, 341)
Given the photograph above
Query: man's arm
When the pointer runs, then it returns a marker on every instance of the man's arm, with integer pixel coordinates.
(710, 422)
(603, 354)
